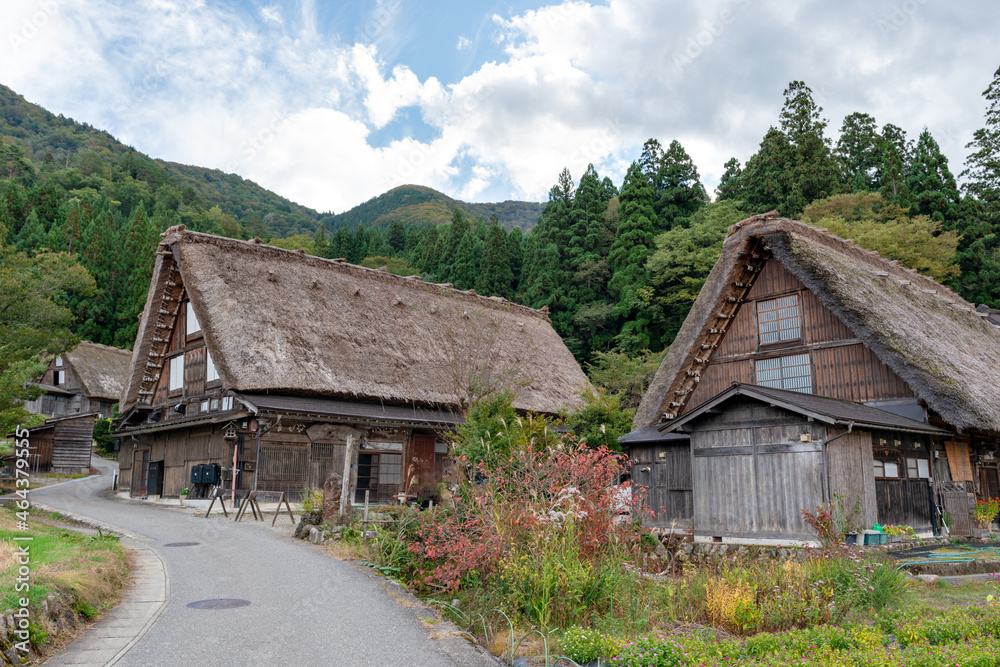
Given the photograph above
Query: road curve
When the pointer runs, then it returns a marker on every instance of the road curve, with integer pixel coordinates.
(305, 608)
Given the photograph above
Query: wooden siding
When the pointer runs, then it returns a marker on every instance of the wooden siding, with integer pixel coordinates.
(854, 373)
(842, 366)
(71, 443)
(40, 449)
(904, 502)
(752, 474)
(662, 483)
(849, 462)
(717, 377)
(773, 279)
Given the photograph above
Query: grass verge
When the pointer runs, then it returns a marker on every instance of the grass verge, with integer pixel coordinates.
(86, 573)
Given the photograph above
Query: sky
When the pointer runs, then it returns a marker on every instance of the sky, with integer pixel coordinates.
(332, 103)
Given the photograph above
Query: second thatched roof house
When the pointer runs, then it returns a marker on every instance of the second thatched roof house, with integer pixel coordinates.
(809, 368)
(88, 378)
(274, 359)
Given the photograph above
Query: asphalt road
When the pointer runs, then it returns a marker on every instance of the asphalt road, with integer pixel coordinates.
(306, 608)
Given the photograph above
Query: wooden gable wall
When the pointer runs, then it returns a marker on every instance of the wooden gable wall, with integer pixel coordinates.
(842, 367)
(194, 350)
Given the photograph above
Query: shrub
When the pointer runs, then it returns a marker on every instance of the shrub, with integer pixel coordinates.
(600, 420)
(312, 500)
(582, 645)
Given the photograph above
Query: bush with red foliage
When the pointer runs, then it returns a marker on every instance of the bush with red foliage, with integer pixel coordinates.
(531, 492)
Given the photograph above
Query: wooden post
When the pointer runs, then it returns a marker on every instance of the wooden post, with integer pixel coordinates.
(366, 505)
(345, 487)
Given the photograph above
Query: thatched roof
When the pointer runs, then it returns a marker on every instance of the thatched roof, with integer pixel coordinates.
(280, 321)
(934, 340)
(102, 370)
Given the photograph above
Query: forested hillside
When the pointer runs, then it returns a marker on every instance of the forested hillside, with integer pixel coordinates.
(416, 204)
(79, 158)
(617, 265)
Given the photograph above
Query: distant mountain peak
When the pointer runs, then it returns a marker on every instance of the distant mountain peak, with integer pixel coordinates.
(411, 204)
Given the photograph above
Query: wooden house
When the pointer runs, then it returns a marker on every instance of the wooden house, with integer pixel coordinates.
(267, 362)
(88, 378)
(809, 367)
(62, 444)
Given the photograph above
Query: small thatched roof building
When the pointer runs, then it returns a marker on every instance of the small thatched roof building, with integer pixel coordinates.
(794, 308)
(88, 378)
(102, 370)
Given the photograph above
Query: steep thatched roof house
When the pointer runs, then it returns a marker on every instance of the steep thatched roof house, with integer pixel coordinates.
(296, 353)
(88, 378)
(791, 307)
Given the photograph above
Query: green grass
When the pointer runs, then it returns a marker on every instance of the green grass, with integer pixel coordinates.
(949, 595)
(88, 571)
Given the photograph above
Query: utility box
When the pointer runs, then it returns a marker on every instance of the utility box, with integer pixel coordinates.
(211, 473)
(197, 473)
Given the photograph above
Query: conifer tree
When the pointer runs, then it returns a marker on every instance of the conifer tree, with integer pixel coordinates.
(463, 271)
(729, 183)
(932, 187)
(858, 152)
(31, 237)
(631, 249)
(680, 192)
(395, 236)
(495, 275)
(893, 165)
(979, 225)
(340, 246)
(767, 181)
(320, 246)
(359, 245)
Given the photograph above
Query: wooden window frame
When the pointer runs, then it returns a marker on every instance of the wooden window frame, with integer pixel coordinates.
(809, 364)
(876, 463)
(211, 382)
(189, 314)
(781, 342)
(171, 390)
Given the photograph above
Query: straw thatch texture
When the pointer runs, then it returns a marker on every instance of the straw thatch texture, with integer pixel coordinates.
(102, 370)
(927, 334)
(280, 321)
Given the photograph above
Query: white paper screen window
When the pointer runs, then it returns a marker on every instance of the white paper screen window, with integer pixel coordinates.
(793, 372)
(177, 372)
(210, 371)
(779, 319)
(193, 326)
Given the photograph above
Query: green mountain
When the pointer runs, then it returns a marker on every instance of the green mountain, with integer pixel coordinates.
(417, 204)
(81, 158)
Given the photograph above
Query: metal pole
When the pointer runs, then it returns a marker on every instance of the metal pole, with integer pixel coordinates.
(256, 461)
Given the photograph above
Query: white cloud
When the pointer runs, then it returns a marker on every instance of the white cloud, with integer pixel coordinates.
(271, 13)
(268, 94)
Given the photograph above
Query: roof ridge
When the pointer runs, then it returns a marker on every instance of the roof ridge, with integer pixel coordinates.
(179, 233)
(766, 223)
(102, 346)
